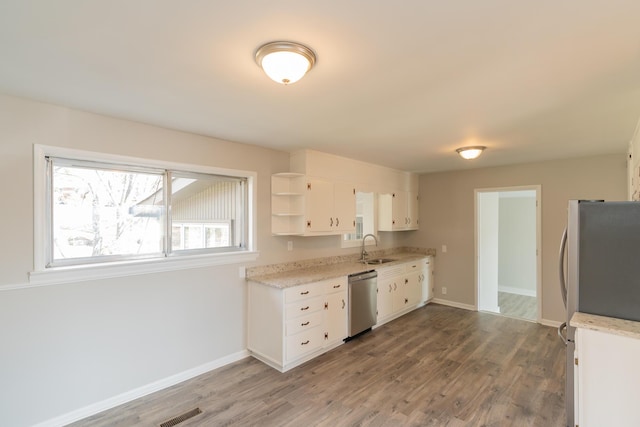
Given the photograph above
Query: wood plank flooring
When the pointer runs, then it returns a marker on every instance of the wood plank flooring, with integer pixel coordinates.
(521, 306)
(437, 366)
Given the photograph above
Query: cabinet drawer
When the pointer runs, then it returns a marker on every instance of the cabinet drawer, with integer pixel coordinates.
(301, 292)
(304, 307)
(386, 273)
(305, 342)
(416, 265)
(304, 322)
(336, 285)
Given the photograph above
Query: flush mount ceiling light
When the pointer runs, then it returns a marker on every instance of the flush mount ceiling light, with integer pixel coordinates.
(285, 62)
(470, 153)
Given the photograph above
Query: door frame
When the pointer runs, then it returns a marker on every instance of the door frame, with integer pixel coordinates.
(538, 190)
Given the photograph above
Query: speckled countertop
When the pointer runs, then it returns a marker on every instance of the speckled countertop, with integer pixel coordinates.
(300, 272)
(626, 328)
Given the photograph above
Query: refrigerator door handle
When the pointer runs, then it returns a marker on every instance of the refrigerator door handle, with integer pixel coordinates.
(560, 334)
(563, 283)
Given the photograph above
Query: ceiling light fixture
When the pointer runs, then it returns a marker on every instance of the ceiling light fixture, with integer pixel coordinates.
(285, 62)
(470, 153)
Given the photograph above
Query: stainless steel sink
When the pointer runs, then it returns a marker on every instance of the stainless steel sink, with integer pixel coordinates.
(378, 261)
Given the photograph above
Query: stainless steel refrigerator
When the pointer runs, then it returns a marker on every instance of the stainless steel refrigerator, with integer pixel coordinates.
(600, 249)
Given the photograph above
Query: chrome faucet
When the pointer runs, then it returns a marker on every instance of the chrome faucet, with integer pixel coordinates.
(363, 253)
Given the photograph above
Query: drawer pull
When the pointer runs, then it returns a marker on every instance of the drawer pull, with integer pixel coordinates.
(305, 342)
(336, 286)
(304, 308)
(343, 304)
(304, 293)
(304, 324)
(326, 306)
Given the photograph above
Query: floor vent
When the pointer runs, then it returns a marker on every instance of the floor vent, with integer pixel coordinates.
(180, 418)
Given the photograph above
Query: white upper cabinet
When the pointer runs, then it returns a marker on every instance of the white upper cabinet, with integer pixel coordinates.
(306, 206)
(344, 207)
(398, 211)
(318, 197)
(331, 207)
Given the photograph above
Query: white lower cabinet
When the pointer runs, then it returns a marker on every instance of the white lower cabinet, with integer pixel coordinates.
(289, 326)
(399, 290)
(607, 378)
(426, 279)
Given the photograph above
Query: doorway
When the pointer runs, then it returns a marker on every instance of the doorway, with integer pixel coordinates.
(507, 251)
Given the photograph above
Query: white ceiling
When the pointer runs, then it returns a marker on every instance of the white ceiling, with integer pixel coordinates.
(401, 84)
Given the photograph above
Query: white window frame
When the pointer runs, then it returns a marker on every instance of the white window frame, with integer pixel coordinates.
(43, 275)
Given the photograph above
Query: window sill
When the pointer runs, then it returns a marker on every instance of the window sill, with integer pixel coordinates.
(84, 273)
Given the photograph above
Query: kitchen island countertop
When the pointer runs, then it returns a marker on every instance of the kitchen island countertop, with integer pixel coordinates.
(612, 325)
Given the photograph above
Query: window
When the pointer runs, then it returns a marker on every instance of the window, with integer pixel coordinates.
(105, 211)
(365, 219)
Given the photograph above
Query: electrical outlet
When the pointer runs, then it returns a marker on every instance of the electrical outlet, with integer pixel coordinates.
(242, 272)
(289, 245)
(444, 291)
(444, 248)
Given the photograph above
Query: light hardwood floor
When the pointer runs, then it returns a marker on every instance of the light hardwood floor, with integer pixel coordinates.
(437, 366)
(520, 306)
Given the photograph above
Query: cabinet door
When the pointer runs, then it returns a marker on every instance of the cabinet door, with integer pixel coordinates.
(400, 299)
(427, 279)
(393, 211)
(344, 214)
(413, 288)
(385, 299)
(399, 208)
(335, 326)
(319, 206)
(412, 211)
(608, 379)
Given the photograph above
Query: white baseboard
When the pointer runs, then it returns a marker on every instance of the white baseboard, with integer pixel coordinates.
(128, 396)
(552, 323)
(517, 291)
(454, 304)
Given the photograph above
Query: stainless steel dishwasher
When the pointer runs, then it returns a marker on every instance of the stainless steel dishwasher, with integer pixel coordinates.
(363, 301)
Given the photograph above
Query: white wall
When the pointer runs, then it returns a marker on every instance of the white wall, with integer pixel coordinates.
(488, 250)
(517, 244)
(447, 216)
(71, 345)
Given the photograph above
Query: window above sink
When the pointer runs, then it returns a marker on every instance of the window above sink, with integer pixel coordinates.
(365, 220)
